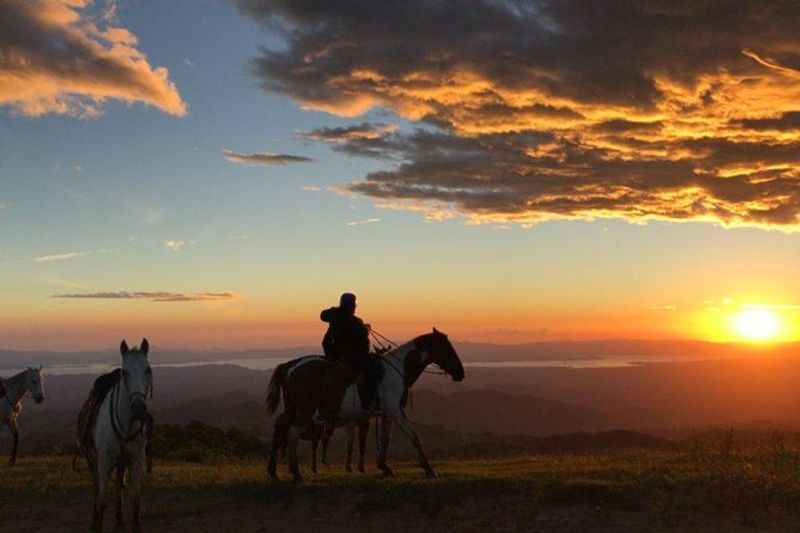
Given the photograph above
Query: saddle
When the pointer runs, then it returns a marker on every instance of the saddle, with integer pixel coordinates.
(88, 413)
(371, 377)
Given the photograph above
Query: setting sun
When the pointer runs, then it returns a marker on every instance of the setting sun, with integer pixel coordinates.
(757, 324)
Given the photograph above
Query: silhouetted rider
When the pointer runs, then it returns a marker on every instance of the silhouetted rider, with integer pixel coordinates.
(347, 338)
(347, 341)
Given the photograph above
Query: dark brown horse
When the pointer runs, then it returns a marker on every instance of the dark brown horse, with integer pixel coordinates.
(305, 385)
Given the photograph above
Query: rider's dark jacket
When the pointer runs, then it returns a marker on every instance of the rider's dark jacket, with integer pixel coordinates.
(347, 338)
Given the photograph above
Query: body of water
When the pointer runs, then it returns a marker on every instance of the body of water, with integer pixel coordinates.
(268, 363)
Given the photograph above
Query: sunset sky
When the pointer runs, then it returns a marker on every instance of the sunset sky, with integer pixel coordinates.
(213, 173)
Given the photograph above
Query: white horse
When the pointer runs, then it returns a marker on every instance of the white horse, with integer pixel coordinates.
(299, 382)
(120, 436)
(12, 391)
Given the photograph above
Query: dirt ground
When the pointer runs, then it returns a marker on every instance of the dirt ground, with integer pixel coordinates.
(180, 513)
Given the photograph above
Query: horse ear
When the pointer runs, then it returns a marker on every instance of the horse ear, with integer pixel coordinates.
(145, 347)
(123, 347)
(435, 330)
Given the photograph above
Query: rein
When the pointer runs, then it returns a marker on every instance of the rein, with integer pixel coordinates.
(115, 423)
(378, 338)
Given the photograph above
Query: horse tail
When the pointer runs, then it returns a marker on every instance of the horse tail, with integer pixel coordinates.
(275, 387)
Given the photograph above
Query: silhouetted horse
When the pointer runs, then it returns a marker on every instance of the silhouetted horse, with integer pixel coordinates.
(304, 383)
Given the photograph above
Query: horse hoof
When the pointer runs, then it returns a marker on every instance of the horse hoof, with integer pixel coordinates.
(362, 469)
(430, 474)
(297, 478)
(387, 472)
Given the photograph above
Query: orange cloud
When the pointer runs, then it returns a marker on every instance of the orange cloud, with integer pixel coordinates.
(56, 58)
(648, 109)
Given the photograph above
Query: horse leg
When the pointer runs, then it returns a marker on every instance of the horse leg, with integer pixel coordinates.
(348, 465)
(282, 424)
(148, 448)
(406, 427)
(137, 474)
(315, 436)
(12, 425)
(120, 515)
(363, 430)
(326, 439)
(101, 478)
(294, 464)
(385, 430)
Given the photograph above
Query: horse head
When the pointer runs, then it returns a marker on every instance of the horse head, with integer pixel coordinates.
(34, 383)
(137, 377)
(437, 349)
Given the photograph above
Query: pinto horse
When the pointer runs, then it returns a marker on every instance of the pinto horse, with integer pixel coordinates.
(303, 383)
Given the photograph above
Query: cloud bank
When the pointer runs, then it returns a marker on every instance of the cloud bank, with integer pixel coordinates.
(56, 57)
(537, 110)
(153, 296)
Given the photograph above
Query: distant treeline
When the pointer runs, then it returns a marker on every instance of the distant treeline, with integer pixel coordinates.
(199, 442)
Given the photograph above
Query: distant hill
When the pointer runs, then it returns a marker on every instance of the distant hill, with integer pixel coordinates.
(661, 399)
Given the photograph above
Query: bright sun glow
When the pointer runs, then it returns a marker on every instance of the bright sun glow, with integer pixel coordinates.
(757, 324)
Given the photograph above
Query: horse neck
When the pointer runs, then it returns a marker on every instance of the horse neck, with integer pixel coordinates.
(121, 408)
(15, 387)
(400, 355)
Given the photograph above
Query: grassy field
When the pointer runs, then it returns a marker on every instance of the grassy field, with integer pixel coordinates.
(696, 489)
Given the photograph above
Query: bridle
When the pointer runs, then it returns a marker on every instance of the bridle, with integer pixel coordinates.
(124, 436)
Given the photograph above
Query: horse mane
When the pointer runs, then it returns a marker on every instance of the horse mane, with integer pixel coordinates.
(16, 378)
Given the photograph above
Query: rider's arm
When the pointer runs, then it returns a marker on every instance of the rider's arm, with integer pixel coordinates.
(328, 315)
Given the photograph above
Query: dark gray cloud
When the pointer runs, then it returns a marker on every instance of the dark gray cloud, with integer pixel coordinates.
(154, 296)
(367, 139)
(365, 130)
(786, 122)
(265, 158)
(534, 110)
